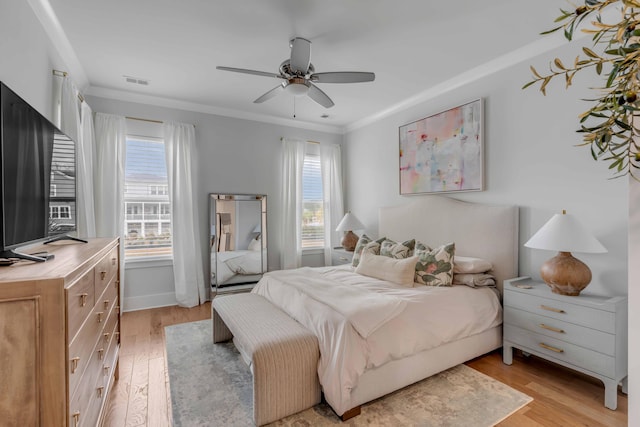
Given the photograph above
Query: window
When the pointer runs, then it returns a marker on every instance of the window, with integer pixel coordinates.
(312, 201)
(147, 207)
(59, 212)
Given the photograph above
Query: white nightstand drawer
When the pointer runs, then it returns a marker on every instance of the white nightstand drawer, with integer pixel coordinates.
(561, 350)
(580, 315)
(341, 256)
(575, 334)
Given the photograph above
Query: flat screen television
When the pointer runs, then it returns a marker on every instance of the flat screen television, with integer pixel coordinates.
(38, 177)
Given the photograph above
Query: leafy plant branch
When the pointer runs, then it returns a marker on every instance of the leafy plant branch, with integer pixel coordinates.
(611, 127)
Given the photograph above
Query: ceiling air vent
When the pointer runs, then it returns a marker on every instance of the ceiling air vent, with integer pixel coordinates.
(136, 80)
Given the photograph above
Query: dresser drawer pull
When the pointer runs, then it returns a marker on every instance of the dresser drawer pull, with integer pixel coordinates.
(99, 314)
(103, 274)
(74, 364)
(100, 390)
(548, 347)
(342, 258)
(555, 310)
(100, 353)
(113, 260)
(551, 328)
(106, 336)
(106, 304)
(76, 418)
(106, 370)
(83, 299)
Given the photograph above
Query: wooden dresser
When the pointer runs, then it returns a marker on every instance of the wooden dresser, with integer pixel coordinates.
(587, 333)
(60, 335)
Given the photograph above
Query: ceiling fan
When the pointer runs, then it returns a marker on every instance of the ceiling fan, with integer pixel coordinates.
(298, 75)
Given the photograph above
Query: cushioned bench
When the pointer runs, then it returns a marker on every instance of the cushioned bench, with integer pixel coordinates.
(283, 354)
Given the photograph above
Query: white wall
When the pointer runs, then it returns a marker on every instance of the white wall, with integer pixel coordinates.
(28, 56)
(634, 301)
(530, 161)
(234, 156)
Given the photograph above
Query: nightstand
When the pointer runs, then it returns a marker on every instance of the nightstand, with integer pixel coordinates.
(340, 256)
(587, 333)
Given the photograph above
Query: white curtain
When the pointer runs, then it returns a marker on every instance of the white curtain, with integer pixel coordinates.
(76, 121)
(179, 142)
(331, 169)
(110, 132)
(291, 243)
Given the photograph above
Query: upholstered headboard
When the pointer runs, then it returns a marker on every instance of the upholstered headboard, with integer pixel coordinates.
(478, 230)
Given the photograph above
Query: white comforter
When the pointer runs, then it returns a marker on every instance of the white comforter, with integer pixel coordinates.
(401, 322)
(231, 263)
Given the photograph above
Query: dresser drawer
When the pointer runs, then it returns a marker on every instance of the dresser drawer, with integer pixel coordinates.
(341, 256)
(81, 348)
(112, 352)
(575, 334)
(109, 297)
(80, 302)
(565, 352)
(105, 270)
(601, 320)
(82, 397)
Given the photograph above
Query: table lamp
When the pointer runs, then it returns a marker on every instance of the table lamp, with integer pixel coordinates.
(348, 224)
(565, 274)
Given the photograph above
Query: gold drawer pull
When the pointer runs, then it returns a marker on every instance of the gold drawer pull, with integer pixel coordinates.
(83, 299)
(99, 314)
(76, 418)
(103, 274)
(548, 347)
(106, 336)
(106, 370)
(74, 364)
(106, 304)
(113, 260)
(100, 390)
(555, 310)
(100, 353)
(551, 328)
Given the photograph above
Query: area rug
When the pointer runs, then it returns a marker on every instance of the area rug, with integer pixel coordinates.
(211, 386)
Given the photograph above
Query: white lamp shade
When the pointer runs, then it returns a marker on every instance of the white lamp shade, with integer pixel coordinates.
(564, 233)
(349, 222)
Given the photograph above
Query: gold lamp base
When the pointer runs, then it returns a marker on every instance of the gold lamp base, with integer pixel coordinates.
(565, 274)
(349, 241)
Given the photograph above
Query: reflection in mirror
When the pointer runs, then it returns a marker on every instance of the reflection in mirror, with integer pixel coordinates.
(237, 241)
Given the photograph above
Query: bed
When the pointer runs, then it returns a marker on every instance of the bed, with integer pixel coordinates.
(364, 358)
(239, 266)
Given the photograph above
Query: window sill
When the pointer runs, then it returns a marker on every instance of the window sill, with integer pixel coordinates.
(314, 251)
(148, 262)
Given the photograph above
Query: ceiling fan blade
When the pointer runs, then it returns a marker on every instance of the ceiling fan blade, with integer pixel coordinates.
(300, 55)
(319, 96)
(343, 77)
(273, 92)
(254, 72)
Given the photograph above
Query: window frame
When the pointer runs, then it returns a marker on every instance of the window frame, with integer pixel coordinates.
(312, 152)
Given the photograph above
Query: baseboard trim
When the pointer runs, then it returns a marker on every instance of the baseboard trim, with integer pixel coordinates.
(149, 301)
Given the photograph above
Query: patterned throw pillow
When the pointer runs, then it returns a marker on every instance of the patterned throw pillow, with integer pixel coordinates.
(397, 250)
(363, 241)
(435, 266)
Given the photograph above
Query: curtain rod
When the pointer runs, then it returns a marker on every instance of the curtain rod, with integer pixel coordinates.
(150, 120)
(282, 138)
(59, 73)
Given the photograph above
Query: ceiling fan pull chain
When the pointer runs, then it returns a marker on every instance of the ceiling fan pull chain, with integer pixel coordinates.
(294, 107)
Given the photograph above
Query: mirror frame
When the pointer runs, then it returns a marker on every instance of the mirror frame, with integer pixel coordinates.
(214, 241)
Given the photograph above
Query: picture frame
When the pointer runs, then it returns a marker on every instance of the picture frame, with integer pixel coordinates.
(444, 152)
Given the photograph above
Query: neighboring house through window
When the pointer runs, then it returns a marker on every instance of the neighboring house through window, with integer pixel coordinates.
(147, 206)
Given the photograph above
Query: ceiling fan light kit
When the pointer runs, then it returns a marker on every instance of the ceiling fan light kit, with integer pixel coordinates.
(299, 75)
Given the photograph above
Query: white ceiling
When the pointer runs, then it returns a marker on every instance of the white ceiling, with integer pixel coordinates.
(412, 46)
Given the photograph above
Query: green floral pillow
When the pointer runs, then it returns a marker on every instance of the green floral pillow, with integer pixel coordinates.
(397, 250)
(434, 266)
(363, 241)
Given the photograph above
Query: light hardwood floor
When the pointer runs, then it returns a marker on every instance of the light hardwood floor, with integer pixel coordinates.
(140, 397)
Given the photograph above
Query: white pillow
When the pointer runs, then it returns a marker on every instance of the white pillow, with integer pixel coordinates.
(463, 264)
(400, 271)
(256, 244)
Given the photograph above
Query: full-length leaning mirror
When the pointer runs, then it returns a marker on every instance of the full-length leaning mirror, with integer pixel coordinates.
(237, 241)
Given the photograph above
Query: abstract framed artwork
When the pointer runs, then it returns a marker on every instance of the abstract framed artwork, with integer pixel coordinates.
(443, 153)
